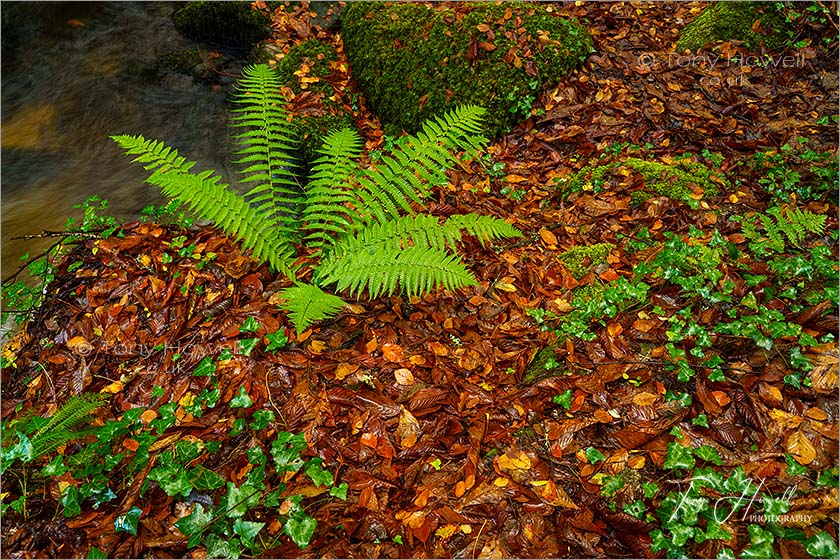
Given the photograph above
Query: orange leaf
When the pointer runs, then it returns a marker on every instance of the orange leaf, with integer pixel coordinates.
(369, 440)
(548, 238)
(801, 448)
(603, 416)
(392, 352)
(408, 429)
(344, 369)
(721, 398)
(131, 444)
(644, 399)
(370, 345)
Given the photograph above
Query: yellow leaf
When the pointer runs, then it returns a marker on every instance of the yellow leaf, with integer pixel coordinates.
(317, 346)
(404, 376)
(446, 531)
(344, 369)
(801, 448)
(505, 287)
(187, 399)
(113, 388)
(644, 399)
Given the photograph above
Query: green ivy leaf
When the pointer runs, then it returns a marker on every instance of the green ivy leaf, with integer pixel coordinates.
(612, 484)
(261, 419)
(205, 367)
(247, 345)
(94, 552)
(249, 325)
(319, 475)
(71, 499)
(715, 531)
(127, 522)
(238, 427)
(340, 491)
(700, 420)
(678, 457)
(300, 528)
(564, 399)
(241, 399)
(194, 524)
(761, 543)
(822, 545)
(55, 467)
(650, 489)
(636, 509)
(593, 455)
(286, 450)
(225, 355)
(276, 341)
(240, 499)
(708, 453)
(828, 477)
(172, 479)
(204, 479)
(218, 547)
(247, 529)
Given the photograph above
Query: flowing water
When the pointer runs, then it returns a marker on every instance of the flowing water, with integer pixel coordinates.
(74, 73)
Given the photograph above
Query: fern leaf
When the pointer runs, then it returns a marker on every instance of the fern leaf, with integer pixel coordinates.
(795, 223)
(483, 227)
(266, 145)
(64, 425)
(329, 195)
(419, 163)
(416, 270)
(306, 303)
(210, 199)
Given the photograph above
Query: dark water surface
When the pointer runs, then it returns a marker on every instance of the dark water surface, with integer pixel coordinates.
(74, 73)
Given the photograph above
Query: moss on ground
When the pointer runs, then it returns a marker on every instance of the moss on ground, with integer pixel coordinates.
(675, 181)
(233, 24)
(723, 21)
(307, 67)
(194, 63)
(412, 61)
(583, 258)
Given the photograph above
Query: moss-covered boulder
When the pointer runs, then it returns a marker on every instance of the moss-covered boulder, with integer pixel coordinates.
(412, 61)
(681, 180)
(195, 63)
(724, 21)
(232, 24)
(307, 67)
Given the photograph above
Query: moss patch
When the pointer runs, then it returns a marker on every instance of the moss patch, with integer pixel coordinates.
(233, 24)
(677, 181)
(722, 21)
(307, 67)
(583, 258)
(413, 62)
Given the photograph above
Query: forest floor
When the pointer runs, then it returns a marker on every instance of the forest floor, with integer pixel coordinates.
(456, 435)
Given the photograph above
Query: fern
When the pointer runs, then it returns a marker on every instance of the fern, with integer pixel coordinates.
(210, 199)
(795, 223)
(65, 425)
(306, 303)
(266, 146)
(362, 223)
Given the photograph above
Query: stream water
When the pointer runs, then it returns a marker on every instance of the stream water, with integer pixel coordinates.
(74, 73)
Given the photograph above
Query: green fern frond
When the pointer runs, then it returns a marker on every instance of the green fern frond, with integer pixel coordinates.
(306, 303)
(416, 270)
(419, 163)
(483, 227)
(266, 146)
(66, 422)
(328, 212)
(795, 223)
(210, 199)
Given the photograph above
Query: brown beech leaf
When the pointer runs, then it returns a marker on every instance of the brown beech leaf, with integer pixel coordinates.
(408, 429)
(801, 448)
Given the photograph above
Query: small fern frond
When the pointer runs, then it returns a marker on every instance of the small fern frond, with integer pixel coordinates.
(483, 227)
(416, 270)
(265, 146)
(306, 303)
(66, 422)
(795, 223)
(328, 212)
(419, 163)
(210, 199)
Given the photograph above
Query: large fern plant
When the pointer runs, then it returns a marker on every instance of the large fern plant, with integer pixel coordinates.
(360, 223)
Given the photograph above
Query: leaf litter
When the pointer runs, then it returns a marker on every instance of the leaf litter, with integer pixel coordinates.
(422, 405)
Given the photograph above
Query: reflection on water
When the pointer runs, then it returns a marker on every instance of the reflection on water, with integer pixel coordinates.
(73, 74)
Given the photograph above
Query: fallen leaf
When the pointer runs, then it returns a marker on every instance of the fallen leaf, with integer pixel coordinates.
(801, 448)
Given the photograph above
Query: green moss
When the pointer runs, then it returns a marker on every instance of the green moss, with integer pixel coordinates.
(674, 181)
(315, 56)
(193, 63)
(583, 258)
(412, 62)
(307, 67)
(233, 24)
(722, 21)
